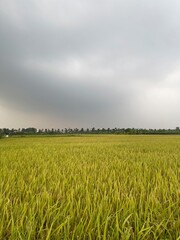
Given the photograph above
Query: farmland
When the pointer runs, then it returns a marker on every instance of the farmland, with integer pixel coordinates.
(90, 187)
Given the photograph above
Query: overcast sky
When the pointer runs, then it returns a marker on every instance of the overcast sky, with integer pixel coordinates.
(90, 63)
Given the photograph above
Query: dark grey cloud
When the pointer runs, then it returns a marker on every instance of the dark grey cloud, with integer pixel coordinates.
(90, 63)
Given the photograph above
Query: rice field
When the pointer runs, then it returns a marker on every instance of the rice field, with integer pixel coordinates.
(90, 187)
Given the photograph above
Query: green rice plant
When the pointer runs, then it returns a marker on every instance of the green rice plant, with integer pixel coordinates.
(90, 187)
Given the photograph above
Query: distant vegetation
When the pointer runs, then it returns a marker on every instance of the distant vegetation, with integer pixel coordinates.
(34, 131)
(115, 187)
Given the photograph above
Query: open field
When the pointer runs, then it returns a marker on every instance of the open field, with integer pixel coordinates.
(90, 187)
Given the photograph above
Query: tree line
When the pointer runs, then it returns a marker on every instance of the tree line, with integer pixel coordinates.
(75, 131)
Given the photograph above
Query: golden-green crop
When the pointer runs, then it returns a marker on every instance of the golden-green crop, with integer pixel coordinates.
(90, 187)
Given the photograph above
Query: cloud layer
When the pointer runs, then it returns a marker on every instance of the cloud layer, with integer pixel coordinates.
(89, 63)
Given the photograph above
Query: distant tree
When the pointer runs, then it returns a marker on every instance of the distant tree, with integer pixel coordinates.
(82, 130)
(30, 130)
(93, 130)
(1, 133)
